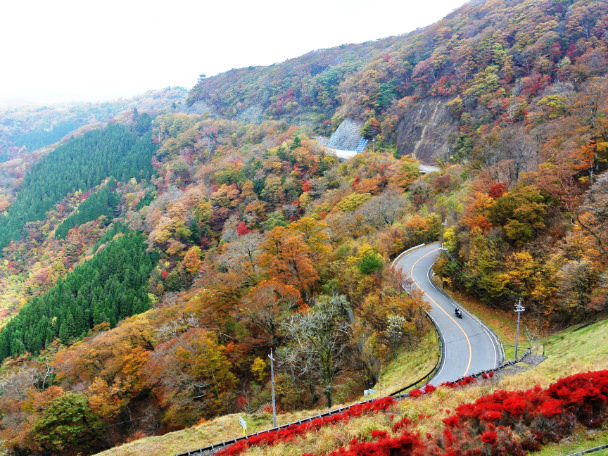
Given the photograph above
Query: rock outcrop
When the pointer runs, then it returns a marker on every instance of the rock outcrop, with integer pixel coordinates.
(427, 130)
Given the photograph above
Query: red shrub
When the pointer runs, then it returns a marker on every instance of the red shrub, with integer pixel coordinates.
(428, 388)
(539, 415)
(403, 423)
(378, 433)
(550, 408)
(515, 406)
(492, 415)
(406, 443)
(451, 421)
(489, 437)
(290, 432)
(416, 393)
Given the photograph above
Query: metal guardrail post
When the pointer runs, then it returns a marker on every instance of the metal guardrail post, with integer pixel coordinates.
(395, 394)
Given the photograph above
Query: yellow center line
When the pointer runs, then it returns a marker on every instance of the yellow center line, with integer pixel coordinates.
(443, 310)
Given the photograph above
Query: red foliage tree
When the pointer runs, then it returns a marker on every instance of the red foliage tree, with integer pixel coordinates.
(242, 229)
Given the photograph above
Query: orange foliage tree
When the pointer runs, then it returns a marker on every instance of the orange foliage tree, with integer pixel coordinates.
(287, 257)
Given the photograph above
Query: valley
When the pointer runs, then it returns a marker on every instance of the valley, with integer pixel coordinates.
(155, 250)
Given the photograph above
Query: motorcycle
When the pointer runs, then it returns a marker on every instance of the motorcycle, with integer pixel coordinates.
(458, 312)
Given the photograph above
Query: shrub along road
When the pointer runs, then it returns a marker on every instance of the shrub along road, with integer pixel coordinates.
(469, 345)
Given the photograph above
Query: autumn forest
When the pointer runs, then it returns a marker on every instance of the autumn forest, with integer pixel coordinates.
(150, 260)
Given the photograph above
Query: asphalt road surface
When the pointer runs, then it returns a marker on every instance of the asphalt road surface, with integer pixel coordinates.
(469, 346)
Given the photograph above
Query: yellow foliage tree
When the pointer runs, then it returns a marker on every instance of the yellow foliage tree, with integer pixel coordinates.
(192, 259)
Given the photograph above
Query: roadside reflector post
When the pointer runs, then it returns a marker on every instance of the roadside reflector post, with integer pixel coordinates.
(274, 410)
(243, 423)
(519, 309)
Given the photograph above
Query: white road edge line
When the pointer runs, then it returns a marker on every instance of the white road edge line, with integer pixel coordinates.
(403, 253)
(481, 323)
(442, 357)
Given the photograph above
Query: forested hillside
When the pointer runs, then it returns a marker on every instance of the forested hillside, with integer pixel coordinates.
(524, 84)
(37, 139)
(103, 202)
(304, 89)
(265, 241)
(29, 133)
(236, 232)
(78, 165)
(24, 129)
(107, 288)
(491, 64)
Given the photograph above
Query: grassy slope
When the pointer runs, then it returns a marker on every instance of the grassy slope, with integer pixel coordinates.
(406, 368)
(409, 366)
(578, 351)
(568, 352)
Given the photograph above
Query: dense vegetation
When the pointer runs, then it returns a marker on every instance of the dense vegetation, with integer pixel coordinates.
(31, 126)
(15, 160)
(78, 165)
(496, 65)
(263, 244)
(305, 88)
(525, 84)
(266, 241)
(107, 288)
(36, 139)
(101, 203)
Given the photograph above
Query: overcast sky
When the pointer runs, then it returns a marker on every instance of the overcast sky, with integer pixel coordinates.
(92, 50)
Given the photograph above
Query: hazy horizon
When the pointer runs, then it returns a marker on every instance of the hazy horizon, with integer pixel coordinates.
(69, 51)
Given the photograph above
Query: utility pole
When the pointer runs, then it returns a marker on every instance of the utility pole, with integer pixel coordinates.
(443, 225)
(274, 410)
(519, 309)
(374, 144)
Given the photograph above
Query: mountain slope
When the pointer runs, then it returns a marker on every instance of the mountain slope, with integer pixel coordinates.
(494, 59)
(267, 241)
(79, 165)
(568, 353)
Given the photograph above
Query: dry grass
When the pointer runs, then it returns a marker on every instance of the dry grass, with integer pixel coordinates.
(406, 368)
(409, 365)
(223, 428)
(568, 352)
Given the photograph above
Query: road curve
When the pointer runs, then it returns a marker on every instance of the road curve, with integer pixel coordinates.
(469, 345)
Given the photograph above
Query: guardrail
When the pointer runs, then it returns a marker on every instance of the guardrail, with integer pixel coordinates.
(489, 330)
(590, 450)
(399, 394)
(211, 449)
(403, 253)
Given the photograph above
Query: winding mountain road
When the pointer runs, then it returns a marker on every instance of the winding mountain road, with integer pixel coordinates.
(469, 345)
